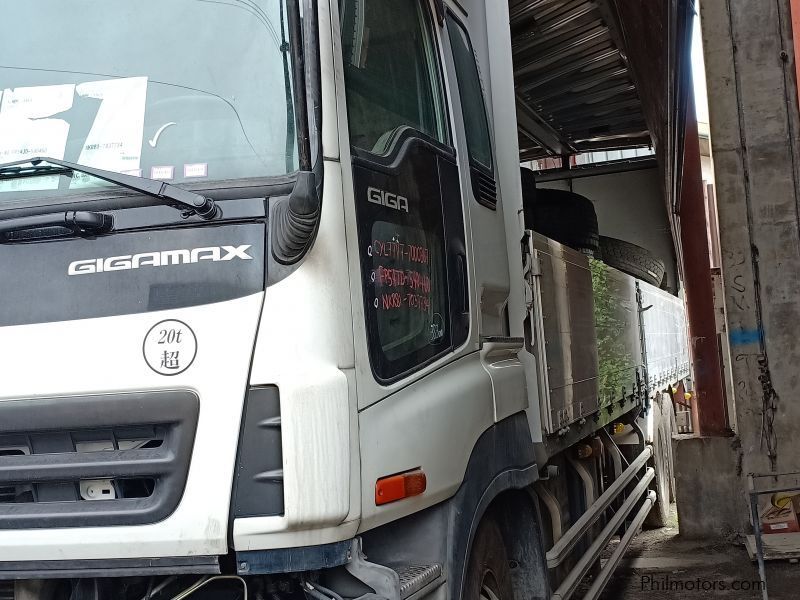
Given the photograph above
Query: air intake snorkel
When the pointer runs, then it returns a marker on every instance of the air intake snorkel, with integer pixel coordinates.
(295, 219)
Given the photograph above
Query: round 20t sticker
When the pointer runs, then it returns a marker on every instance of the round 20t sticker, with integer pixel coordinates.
(170, 347)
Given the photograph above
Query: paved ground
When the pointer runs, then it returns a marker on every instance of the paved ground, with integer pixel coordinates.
(661, 564)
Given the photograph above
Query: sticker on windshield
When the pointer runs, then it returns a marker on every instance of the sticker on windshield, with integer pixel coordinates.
(114, 142)
(162, 172)
(195, 170)
(27, 129)
(170, 347)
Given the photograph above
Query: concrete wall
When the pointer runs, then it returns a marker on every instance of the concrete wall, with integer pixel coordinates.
(754, 133)
(630, 207)
(709, 500)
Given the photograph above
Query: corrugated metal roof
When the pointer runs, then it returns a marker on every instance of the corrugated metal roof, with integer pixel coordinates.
(575, 92)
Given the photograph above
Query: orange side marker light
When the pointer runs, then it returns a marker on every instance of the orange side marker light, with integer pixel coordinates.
(397, 487)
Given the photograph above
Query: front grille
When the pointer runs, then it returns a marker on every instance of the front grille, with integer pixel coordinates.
(117, 459)
(80, 441)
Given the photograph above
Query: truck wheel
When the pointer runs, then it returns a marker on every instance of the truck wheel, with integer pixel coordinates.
(671, 426)
(488, 575)
(662, 459)
(565, 217)
(632, 259)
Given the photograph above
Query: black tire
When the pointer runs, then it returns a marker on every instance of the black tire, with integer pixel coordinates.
(528, 180)
(488, 575)
(671, 426)
(662, 462)
(632, 259)
(565, 217)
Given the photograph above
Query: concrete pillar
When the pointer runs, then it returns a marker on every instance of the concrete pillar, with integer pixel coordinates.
(706, 496)
(750, 66)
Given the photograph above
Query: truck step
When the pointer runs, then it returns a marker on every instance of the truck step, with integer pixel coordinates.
(415, 577)
(395, 581)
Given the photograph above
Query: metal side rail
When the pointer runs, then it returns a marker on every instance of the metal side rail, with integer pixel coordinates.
(561, 549)
(602, 578)
(592, 555)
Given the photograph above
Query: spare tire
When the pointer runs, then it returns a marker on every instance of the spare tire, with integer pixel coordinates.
(632, 259)
(528, 181)
(565, 217)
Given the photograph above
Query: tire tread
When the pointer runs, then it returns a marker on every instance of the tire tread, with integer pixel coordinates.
(632, 259)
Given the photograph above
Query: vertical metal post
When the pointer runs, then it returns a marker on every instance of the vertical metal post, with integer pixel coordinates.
(643, 342)
(709, 396)
(762, 572)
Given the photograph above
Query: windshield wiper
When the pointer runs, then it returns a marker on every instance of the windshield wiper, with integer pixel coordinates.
(172, 195)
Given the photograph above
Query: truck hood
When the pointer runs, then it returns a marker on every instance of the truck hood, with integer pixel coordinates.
(148, 331)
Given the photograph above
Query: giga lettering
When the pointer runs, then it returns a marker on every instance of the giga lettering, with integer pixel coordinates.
(387, 199)
(163, 258)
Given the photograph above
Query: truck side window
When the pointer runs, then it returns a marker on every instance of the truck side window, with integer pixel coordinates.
(473, 108)
(405, 185)
(391, 73)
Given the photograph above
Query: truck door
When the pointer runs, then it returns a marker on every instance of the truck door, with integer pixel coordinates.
(406, 187)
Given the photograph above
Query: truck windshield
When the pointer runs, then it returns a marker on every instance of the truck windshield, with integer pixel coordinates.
(182, 91)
